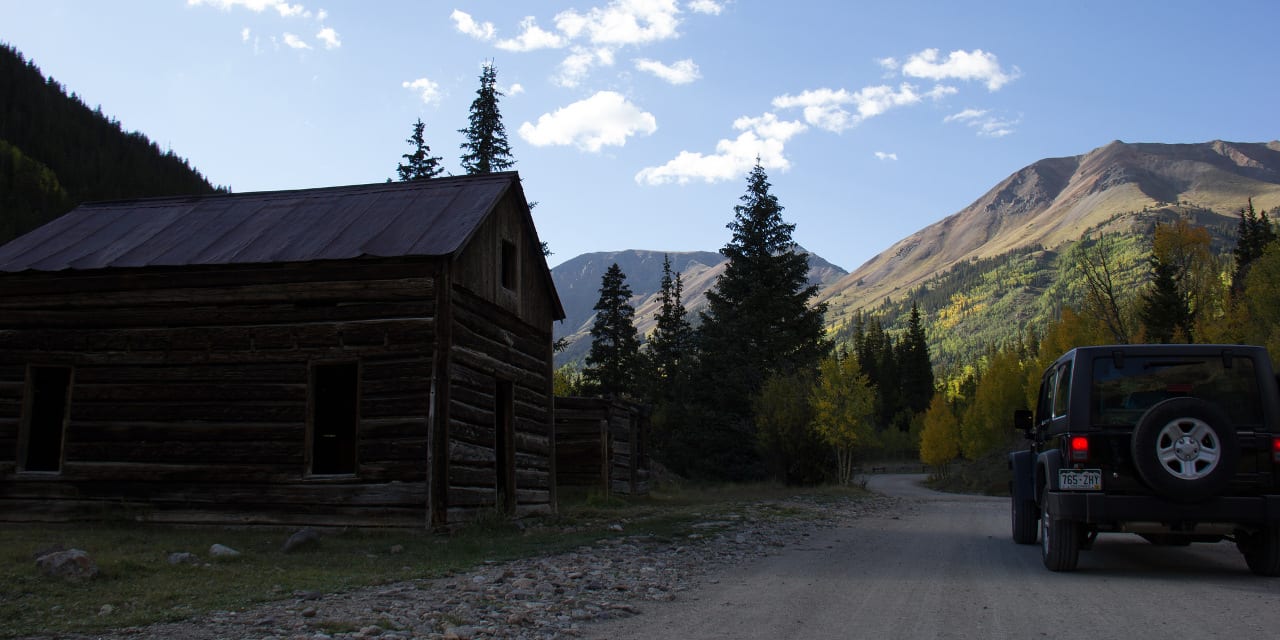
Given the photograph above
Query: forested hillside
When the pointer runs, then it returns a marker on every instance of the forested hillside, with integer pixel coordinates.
(56, 152)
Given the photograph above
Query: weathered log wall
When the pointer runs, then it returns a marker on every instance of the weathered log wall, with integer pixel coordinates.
(190, 393)
(602, 443)
(491, 348)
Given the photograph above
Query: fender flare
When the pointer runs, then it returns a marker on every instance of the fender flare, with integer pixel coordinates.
(1047, 466)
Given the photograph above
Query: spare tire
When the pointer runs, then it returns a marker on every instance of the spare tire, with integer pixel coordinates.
(1185, 449)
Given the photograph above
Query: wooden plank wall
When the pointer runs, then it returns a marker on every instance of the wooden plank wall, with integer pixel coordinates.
(489, 345)
(601, 443)
(189, 401)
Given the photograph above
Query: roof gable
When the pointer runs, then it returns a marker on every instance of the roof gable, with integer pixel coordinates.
(397, 219)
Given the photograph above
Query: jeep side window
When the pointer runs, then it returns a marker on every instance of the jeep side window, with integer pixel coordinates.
(1045, 401)
(1062, 397)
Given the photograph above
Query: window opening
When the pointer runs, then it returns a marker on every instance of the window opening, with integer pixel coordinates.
(508, 265)
(334, 417)
(47, 405)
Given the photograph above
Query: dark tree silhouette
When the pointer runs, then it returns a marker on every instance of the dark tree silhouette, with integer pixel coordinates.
(611, 364)
(485, 149)
(419, 164)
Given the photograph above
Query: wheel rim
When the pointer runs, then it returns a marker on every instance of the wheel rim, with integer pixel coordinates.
(1188, 448)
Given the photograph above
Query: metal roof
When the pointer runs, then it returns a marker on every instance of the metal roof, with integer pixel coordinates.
(396, 219)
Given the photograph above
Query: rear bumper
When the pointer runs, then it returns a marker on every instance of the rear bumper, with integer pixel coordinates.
(1101, 508)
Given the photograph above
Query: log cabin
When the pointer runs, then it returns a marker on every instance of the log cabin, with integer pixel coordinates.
(375, 355)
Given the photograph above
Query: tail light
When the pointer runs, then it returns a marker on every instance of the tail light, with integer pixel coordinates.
(1079, 446)
(1275, 448)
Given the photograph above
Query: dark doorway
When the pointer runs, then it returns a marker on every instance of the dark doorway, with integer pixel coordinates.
(334, 415)
(504, 445)
(47, 390)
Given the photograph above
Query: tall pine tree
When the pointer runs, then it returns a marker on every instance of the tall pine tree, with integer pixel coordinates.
(485, 149)
(758, 323)
(670, 348)
(1253, 234)
(419, 164)
(1165, 311)
(914, 365)
(611, 364)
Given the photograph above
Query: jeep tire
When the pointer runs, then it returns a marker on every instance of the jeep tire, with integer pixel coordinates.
(1261, 550)
(1059, 540)
(1185, 449)
(1024, 521)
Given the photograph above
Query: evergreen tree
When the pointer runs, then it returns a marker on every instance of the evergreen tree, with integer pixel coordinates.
(670, 348)
(914, 365)
(758, 323)
(610, 369)
(1164, 311)
(1253, 234)
(485, 149)
(419, 164)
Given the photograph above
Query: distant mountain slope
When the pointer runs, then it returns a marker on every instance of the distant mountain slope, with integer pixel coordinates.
(578, 283)
(1053, 202)
(56, 152)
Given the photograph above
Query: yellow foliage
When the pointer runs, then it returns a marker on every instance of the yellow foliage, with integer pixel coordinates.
(843, 404)
(940, 439)
(988, 423)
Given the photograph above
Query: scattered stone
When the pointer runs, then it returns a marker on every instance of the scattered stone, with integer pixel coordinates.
(536, 598)
(53, 548)
(183, 557)
(106, 610)
(397, 549)
(72, 564)
(615, 527)
(302, 539)
(223, 551)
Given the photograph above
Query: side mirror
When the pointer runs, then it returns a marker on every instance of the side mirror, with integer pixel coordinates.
(1022, 420)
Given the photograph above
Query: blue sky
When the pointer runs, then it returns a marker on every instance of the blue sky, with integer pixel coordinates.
(634, 122)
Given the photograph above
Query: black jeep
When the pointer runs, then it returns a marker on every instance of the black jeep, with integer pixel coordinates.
(1176, 443)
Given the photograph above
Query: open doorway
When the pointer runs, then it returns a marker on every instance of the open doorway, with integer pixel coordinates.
(504, 446)
(45, 421)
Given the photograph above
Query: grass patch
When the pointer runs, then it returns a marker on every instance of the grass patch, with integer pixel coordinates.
(988, 476)
(141, 587)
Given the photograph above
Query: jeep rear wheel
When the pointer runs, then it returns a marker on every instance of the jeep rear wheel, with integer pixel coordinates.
(1185, 449)
(1059, 541)
(1261, 551)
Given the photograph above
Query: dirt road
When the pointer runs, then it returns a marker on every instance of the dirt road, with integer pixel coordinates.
(945, 567)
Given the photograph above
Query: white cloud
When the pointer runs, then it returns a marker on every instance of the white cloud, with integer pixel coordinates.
(984, 124)
(709, 7)
(464, 23)
(682, 72)
(889, 63)
(281, 7)
(329, 37)
(622, 22)
(575, 68)
(244, 34)
(605, 119)
(967, 114)
(887, 156)
(531, 38)
(515, 89)
(762, 138)
(960, 65)
(428, 90)
(295, 42)
(825, 108)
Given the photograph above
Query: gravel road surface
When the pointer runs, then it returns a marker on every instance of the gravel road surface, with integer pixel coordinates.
(944, 566)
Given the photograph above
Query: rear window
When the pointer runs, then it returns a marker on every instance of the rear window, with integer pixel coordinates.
(1123, 391)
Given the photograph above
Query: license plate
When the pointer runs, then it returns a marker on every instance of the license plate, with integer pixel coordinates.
(1080, 479)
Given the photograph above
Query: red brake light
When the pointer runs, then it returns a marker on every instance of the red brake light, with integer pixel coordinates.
(1080, 448)
(1275, 448)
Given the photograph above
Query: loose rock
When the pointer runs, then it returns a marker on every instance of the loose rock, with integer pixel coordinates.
(72, 564)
